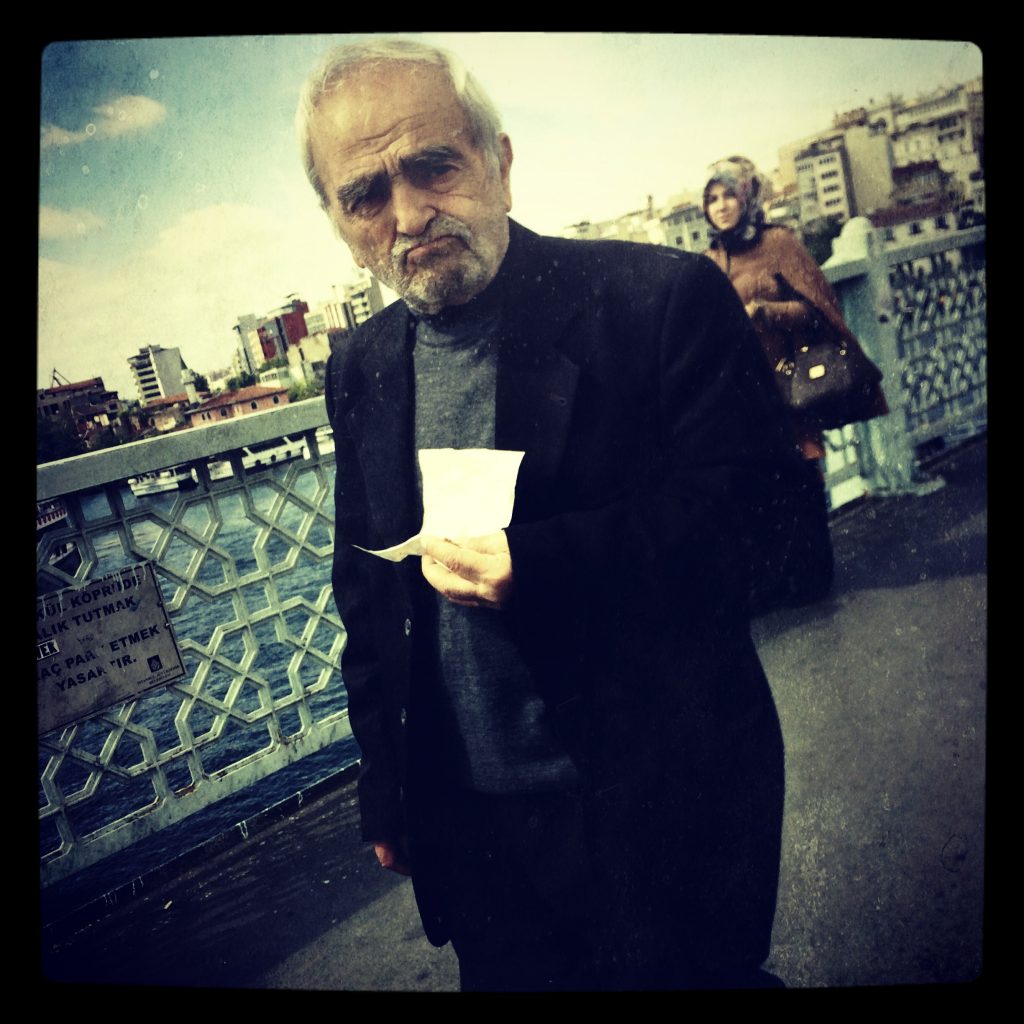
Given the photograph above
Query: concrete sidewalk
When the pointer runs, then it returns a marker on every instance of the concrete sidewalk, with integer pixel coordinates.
(881, 693)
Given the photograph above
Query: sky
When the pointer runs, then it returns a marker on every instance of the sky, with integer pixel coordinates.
(172, 199)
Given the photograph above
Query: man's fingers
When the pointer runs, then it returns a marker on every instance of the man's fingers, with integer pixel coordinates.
(462, 561)
(491, 544)
(450, 584)
(466, 575)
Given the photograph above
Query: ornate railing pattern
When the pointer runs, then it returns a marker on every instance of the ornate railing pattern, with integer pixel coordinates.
(941, 326)
(243, 559)
(920, 313)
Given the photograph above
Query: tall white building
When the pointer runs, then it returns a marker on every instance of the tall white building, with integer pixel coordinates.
(157, 372)
(945, 127)
(363, 298)
(359, 300)
(823, 181)
(248, 352)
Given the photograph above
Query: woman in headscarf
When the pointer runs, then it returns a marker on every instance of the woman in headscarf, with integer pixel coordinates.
(783, 289)
(786, 297)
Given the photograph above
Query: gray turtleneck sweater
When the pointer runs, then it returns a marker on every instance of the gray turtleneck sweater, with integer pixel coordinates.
(502, 740)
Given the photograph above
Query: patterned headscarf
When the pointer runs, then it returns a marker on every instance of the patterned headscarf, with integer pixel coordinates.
(752, 190)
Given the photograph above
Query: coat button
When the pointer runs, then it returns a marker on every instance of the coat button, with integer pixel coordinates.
(407, 626)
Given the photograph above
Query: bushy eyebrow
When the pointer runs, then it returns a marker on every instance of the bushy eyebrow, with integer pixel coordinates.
(359, 189)
(431, 155)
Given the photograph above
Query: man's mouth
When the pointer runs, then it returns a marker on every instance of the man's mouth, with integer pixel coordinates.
(430, 248)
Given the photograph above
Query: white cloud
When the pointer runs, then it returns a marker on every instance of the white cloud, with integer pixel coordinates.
(186, 290)
(119, 117)
(61, 224)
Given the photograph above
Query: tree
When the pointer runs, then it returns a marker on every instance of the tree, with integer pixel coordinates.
(818, 235)
(56, 440)
(105, 438)
(273, 364)
(300, 392)
(201, 383)
(243, 380)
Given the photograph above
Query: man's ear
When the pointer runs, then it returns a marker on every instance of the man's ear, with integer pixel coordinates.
(504, 165)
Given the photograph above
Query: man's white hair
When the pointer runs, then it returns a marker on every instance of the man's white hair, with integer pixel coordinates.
(481, 115)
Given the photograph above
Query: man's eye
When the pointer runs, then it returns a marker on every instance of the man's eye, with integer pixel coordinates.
(365, 202)
(425, 175)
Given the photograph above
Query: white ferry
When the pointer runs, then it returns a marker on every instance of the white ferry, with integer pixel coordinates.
(172, 479)
(324, 441)
(261, 455)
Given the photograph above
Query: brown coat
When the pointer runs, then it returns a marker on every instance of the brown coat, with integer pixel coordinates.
(780, 276)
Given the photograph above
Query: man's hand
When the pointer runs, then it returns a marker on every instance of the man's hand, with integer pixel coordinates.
(389, 856)
(475, 572)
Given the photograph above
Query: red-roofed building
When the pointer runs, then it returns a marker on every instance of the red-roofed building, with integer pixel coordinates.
(915, 222)
(170, 412)
(236, 403)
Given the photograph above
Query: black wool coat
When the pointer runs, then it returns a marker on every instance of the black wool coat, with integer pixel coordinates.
(630, 376)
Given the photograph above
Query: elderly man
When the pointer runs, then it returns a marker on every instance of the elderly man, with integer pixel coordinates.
(567, 738)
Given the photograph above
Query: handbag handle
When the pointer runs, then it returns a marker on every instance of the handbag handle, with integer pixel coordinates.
(821, 327)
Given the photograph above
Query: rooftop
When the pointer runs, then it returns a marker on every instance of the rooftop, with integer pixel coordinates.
(248, 394)
(83, 385)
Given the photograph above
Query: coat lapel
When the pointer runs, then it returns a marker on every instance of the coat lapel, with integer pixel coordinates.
(380, 421)
(536, 383)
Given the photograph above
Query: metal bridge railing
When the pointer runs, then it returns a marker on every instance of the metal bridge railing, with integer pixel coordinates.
(242, 551)
(920, 313)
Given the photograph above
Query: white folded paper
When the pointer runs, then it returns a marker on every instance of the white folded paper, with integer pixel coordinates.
(467, 492)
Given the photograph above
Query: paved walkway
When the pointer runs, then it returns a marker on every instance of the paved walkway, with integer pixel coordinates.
(881, 692)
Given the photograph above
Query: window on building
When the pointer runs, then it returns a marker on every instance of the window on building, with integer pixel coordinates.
(679, 239)
(941, 222)
(915, 227)
(224, 411)
(277, 399)
(252, 405)
(890, 235)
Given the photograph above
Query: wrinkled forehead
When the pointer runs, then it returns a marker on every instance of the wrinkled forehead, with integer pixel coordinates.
(378, 109)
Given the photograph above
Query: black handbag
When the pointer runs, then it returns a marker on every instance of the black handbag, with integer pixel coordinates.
(826, 378)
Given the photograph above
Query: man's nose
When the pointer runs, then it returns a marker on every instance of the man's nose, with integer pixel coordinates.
(413, 208)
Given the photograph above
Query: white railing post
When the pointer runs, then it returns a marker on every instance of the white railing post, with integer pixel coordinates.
(887, 458)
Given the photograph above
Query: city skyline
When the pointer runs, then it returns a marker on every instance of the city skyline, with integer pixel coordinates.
(172, 200)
